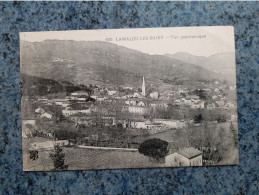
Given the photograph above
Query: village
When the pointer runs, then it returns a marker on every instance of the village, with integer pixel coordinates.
(123, 117)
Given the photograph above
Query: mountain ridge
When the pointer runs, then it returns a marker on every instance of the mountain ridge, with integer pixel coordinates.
(102, 62)
(221, 63)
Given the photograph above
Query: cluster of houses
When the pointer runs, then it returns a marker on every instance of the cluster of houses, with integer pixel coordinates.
(104, 104)
(79, 108)
(191, 100)
(194, 102)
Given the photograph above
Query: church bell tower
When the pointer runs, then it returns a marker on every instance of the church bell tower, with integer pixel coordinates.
(143, 88)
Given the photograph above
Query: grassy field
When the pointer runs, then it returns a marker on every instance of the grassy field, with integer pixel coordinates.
(84, 158)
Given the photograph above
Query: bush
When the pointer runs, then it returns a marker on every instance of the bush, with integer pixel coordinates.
(198, 118)
(58, 158)
(155, 148)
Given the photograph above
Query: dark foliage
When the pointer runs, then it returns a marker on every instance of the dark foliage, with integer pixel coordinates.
(155, 148)
(32, 86)
(58, 158)
(39, 86)
(201, 93)
(71, 89)
(198, 118)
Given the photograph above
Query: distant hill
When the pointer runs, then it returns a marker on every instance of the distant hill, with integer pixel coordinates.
(98, 62)
(222, 63)
(188, 58)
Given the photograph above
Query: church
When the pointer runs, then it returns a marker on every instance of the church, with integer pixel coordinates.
(139, 108)
(152, 94)
(143, 88)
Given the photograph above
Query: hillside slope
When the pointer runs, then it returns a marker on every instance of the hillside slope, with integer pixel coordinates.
(222, 63)
(101, 62)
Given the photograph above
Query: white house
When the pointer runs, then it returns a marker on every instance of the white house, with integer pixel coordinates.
(199, 104)
(132, 102)
(46, 115)
(112, 92)
(72, 112)
(153, 127)
(138, 109)
(39, 110)
(184, 157)
(127, 87)
(154, 95)
(86, 111)
(189, 100)
(183, 91)
(141, 103)
(79, 93)
(172, 124)
(138, 124)
(100, 99)
(58, 103)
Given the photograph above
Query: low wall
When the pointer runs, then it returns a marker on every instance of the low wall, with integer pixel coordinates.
(107, 148)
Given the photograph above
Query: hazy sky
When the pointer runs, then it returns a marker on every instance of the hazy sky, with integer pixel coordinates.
(201, 41)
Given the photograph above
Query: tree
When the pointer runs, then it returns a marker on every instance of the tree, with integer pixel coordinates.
(198, 118)
(42, 90)
(154, 148)
(201, 93)
(31, 130)
(58, 158)
(66, 130)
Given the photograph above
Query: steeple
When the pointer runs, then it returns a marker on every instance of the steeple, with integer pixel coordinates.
(143, 88)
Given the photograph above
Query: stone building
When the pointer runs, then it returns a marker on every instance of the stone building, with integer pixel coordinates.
(184, 157)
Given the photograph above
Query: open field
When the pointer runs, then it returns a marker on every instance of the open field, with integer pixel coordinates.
(85, 158)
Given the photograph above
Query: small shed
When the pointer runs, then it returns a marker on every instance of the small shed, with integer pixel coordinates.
(184, 157)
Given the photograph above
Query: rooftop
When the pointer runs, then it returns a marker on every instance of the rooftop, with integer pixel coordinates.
(189, 152)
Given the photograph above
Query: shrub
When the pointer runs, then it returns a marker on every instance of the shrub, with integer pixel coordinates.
(58, 158)
(155, 148)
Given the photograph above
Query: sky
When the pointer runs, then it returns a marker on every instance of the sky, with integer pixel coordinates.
(200, 41)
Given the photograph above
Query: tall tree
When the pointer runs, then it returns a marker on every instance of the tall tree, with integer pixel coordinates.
(58, 158)
(154, 148)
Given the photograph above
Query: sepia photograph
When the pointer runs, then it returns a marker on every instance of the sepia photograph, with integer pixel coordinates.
(128, 98)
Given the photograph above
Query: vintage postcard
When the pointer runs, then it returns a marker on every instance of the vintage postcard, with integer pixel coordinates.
(128, 98)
